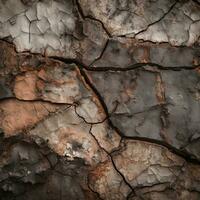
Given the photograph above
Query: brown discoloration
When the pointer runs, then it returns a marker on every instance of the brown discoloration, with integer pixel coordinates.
(69, 136)
(106, 181)
(146, 56)
(107, 138)
(141, 52)
(196, 61)
(197, 70)
(54, 82)
(25, 86)
(17, 116)
(9, 58)
(160, 89)
(163, 134)
(99, 171)
(137, 157)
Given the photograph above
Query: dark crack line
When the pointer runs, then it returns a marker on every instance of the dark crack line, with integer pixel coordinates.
(91, 123)
(129, 196)
(197, 2)
(104, 28)
(174, 150)
(124, 179)
(82, 69)
(80, 10)
(96, 92)
(39, 100)
(107, 68)
(164, 15)
(127, 68)
(182, 153)
(98, 122)
(102, 53)
(151, 108)
(111, 158)
(90, 188)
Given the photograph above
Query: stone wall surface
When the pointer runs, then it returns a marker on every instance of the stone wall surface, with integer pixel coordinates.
(99, 99)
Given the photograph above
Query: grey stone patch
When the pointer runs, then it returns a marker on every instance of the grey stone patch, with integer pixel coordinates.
(5, 91)
(146, 124)
(132, 99)
(52, 28)
(166, 194)
(111, 84)
(10, 8)
(26, 173)
(169, 29)
(125, 52)
(94, 41)
(118, 50)
(156, 173)
(126, 17)
(182, 94)
(69, 88)
(56, 186)
(194, 148)
(175, 57)
(65, 129)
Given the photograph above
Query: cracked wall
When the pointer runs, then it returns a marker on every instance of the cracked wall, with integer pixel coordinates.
(99, 99)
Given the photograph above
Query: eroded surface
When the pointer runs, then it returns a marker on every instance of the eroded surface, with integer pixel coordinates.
(99, 100)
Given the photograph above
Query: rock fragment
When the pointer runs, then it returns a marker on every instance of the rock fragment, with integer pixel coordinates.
(17, 116)
(156, 104)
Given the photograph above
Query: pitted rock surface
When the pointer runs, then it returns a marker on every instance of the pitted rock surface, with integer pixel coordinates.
(99, 100)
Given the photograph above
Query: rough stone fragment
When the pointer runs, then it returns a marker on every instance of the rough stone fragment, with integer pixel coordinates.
(144, 164)
(99, 99)
(55, 83)
(128, 52)
(91, 110)
(106, 181)
(58, 83)
(17, 116)
(126, 17)
(169, 29)
(25, 86)
(151, 104)
(57, 28)
(186, 186)
(106, 136)
(5, 91)
(182, 96)
(8, 57)
(26, 173)
(61, 84)
(124, 52)
(68, 135)
(157, 21)
(94, 42)
(133, 111)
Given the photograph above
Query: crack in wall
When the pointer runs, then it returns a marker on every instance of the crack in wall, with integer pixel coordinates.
(101, 113)
(82, 69)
